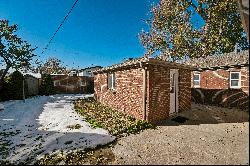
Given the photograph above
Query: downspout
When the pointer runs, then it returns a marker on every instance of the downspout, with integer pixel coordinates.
(144, 90)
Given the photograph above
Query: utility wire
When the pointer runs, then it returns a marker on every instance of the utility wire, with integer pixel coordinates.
(46, 47)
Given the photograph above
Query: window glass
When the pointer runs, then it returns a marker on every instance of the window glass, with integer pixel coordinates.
(113, 80)
(172, 83)
(234, 75)
(234, 83)
(196, 77)
(197, 83)
(196, 80)
(109, 81)
(172, 80)
(235, 79)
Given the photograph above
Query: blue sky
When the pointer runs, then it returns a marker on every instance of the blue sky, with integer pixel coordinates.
(99, 32)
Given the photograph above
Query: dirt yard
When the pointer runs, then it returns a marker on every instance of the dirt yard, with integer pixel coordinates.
(204, 135)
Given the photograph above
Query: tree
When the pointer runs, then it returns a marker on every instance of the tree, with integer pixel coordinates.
(14, 86)
(47, 85)
(175, 35)
(14, 51)
(52, 66)
(244, 13)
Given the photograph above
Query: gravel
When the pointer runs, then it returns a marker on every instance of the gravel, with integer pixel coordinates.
(212, 135)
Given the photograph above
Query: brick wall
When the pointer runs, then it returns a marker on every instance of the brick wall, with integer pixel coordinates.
(158, 98)
(184, 90)
(215, 89)
(127, 96)
(73, 84)
(158, 104)
(219, 79)
(245, 79)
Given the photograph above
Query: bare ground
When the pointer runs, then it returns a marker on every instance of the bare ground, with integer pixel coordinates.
(211, 135)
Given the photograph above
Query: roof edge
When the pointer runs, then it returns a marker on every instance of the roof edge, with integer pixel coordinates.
(142, 62)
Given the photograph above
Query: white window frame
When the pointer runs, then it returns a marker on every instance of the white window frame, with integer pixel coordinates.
(112, 81)
(239, 84)
(197, 86)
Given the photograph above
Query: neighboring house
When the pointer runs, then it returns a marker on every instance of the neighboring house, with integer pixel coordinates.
(72, 73)
(73, 83)
(69, 84)
(222, 80)
(147, 89)
(88, 72)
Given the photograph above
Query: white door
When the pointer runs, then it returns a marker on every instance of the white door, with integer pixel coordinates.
(173, 91)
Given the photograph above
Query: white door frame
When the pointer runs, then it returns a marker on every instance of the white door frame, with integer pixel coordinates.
(174, 91)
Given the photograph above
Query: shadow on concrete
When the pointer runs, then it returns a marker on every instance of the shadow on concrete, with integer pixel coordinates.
(205, 114)
(229, 98)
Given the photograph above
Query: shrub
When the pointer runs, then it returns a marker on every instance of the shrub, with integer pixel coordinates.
(13, 87)
(47, 85)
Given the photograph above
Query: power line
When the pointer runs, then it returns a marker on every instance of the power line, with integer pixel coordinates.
(46, 47)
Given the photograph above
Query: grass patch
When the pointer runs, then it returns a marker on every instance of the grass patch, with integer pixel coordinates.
(117, 123)
(76, 126)
(101, 155)
(4, 148)
(5, 162)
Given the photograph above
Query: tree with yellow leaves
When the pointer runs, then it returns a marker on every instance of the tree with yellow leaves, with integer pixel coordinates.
(175, 35)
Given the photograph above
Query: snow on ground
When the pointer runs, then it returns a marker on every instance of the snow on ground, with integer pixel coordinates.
(41, 125)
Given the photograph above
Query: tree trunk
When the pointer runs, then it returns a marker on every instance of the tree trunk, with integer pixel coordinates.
(2, 78)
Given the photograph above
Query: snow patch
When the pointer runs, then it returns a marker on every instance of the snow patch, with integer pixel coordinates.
(41, 125)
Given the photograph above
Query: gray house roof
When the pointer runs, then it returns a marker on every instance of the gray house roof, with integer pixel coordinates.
(138, 62)
(221, 61)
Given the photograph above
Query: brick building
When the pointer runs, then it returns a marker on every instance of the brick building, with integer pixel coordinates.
(73, 84)
(221, 80)
(147, 89)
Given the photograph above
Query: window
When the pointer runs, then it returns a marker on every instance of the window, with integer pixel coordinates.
(56, 83)
(90, 73)
(235, 80)
(111, 81)
(172, 86)
(197, 80)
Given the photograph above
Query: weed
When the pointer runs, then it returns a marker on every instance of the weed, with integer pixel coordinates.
(117, 123)
(76, 126)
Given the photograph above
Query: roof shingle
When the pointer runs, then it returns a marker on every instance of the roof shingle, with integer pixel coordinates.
(227, 59)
